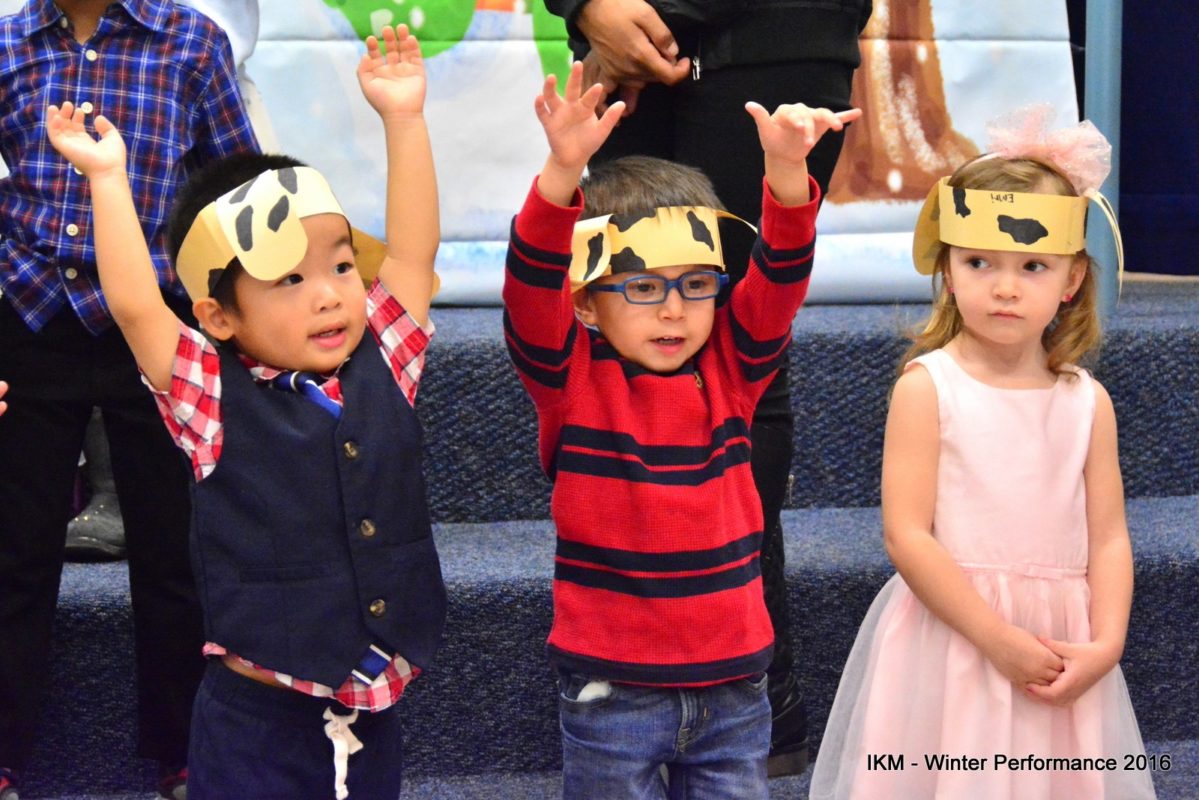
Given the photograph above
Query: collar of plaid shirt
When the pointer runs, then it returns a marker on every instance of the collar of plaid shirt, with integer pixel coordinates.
(38, 14)
(192, 107)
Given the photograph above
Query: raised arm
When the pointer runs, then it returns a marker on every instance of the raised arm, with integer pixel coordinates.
(787, 136)
(573, 132)
(911, 451)
(764, 303)
(127, 275)
(392, 78)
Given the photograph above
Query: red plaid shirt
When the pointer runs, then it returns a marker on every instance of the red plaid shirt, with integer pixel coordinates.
(191, 410)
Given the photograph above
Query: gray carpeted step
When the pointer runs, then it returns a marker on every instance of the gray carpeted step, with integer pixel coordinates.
(488, 703)
(482, 436)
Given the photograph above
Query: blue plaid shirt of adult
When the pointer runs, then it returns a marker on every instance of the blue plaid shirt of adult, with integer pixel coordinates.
(161, 72)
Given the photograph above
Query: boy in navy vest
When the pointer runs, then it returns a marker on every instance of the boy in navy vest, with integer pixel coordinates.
(644, 391)
(311, 540)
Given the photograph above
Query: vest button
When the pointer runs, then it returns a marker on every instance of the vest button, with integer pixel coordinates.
(367, 528)
(378, 608)
(351, 450)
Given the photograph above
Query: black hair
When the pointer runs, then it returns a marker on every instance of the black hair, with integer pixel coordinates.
(207, 184)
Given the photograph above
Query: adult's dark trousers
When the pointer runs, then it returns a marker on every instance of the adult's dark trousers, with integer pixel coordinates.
(704, 123)
(56, 377)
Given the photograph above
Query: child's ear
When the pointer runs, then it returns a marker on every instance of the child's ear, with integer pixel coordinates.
(215, 320)
(584, 307)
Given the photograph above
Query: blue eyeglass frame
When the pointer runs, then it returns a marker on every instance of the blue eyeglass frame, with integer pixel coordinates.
(722, 280)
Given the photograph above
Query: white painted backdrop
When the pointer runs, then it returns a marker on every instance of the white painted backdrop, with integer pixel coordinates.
(488, 145)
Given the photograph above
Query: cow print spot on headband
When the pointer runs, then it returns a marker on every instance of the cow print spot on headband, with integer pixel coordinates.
(959, 202)
(700, 232)
(276, 216)
(1024, 231)
(627, 261)
(625, 221)
(595, 249)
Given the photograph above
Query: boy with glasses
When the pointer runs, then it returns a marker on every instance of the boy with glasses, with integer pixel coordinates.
(644, 390)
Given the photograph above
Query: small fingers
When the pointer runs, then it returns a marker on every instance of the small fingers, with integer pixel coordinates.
(611, 117)
(758, 112)
(391, 48)
(549, 98)
(592, 97)
(574, 82)
(851, 115)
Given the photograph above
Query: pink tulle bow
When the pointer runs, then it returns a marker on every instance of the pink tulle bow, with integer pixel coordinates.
(1081, 152)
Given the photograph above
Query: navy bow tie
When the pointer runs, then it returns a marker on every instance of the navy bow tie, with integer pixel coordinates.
(307, 384)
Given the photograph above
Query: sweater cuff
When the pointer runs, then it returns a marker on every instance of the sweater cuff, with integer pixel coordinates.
(547, 225)
(788, 227)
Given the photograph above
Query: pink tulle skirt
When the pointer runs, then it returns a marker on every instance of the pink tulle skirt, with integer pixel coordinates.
(920, 713)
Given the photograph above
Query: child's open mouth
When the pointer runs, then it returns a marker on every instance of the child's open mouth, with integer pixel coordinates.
(332, 337)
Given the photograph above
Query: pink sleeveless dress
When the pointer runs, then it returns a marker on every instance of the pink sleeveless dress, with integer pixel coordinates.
(1011, 509)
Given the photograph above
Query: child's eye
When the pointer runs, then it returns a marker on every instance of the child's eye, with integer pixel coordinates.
(1036, 266)
(641, 287)
(344, 267)
(976, 263)
(290, 280)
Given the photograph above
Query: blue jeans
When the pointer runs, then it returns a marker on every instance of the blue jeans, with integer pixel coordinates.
(712, 741)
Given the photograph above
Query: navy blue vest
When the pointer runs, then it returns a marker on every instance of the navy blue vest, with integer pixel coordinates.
(311, 538)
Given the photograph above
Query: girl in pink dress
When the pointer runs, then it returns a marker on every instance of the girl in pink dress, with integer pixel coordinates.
(988, 666)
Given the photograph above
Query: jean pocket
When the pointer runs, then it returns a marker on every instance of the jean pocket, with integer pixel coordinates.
(580, 692)
(753, 685)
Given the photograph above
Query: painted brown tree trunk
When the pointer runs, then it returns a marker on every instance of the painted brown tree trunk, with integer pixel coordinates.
(905, 140)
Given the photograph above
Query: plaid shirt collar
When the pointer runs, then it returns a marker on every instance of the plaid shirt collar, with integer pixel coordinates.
(39, 14)
(265, 373)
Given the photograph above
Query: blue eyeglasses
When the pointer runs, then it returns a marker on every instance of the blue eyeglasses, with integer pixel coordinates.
(648, 290)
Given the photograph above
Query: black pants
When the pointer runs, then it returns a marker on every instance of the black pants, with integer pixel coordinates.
(256, 742)
(704, 123)
(56, 377)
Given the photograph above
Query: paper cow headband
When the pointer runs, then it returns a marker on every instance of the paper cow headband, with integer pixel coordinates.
(258, 223)
(990, 220)
(663, 237)
(996, 220)
(1022, 221)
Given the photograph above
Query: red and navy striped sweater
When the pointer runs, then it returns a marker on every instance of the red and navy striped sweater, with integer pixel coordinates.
(656, 577)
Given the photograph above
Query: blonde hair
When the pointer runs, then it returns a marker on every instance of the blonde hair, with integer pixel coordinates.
(1075, 332)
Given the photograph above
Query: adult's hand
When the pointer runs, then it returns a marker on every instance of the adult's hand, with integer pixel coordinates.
(631, 43)
(629, 91)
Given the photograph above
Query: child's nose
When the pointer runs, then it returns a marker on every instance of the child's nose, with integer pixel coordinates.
(1006, 285)
(327, 296)
(673, 305)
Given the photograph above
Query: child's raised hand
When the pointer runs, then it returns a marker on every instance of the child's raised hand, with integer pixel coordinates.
(392, 75)
(1085, 663)
(90, 156)
(572, 128)
(1023, 659)
(791, 132)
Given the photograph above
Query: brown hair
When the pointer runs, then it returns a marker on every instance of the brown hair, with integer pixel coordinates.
(639, 183)
(1075, 331)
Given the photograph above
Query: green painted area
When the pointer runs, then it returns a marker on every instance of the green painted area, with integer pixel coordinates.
(442, 24)
(549, 33)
